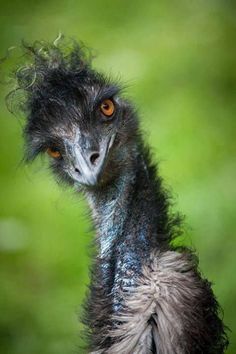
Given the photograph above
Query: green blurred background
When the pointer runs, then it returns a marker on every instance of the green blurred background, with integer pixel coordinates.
(179, 60)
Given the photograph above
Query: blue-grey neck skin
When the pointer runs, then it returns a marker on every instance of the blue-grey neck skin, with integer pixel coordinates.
(124, 242)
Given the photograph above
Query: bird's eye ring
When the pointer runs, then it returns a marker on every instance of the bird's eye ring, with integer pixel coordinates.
(107, 107)
(54, 152)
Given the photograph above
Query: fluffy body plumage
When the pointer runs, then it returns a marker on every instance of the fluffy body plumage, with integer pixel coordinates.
(145, 295)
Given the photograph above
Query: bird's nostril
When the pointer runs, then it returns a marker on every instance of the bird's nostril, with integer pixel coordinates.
(77, 170)
(93, 158)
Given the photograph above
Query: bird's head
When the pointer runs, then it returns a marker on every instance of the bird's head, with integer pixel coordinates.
(76, 116)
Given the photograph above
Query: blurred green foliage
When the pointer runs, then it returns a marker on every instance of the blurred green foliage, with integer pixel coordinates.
(179, 61)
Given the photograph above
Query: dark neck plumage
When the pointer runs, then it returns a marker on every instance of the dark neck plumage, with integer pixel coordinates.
(131, 219)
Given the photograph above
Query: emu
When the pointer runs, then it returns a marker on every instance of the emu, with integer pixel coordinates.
(146, 294)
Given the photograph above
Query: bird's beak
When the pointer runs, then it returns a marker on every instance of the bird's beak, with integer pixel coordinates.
(89, 163)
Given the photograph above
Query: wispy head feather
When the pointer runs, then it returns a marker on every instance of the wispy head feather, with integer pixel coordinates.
(41, 58)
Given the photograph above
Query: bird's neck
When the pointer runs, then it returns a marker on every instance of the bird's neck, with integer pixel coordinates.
(130, 217)
(132, 211)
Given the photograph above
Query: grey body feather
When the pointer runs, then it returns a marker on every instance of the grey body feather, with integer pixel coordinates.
(167, 311)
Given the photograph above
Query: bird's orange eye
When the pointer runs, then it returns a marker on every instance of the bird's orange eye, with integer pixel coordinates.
(54, 152)
(107, 107)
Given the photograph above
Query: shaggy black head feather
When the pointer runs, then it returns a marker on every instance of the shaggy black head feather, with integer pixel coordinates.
(139, 279)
